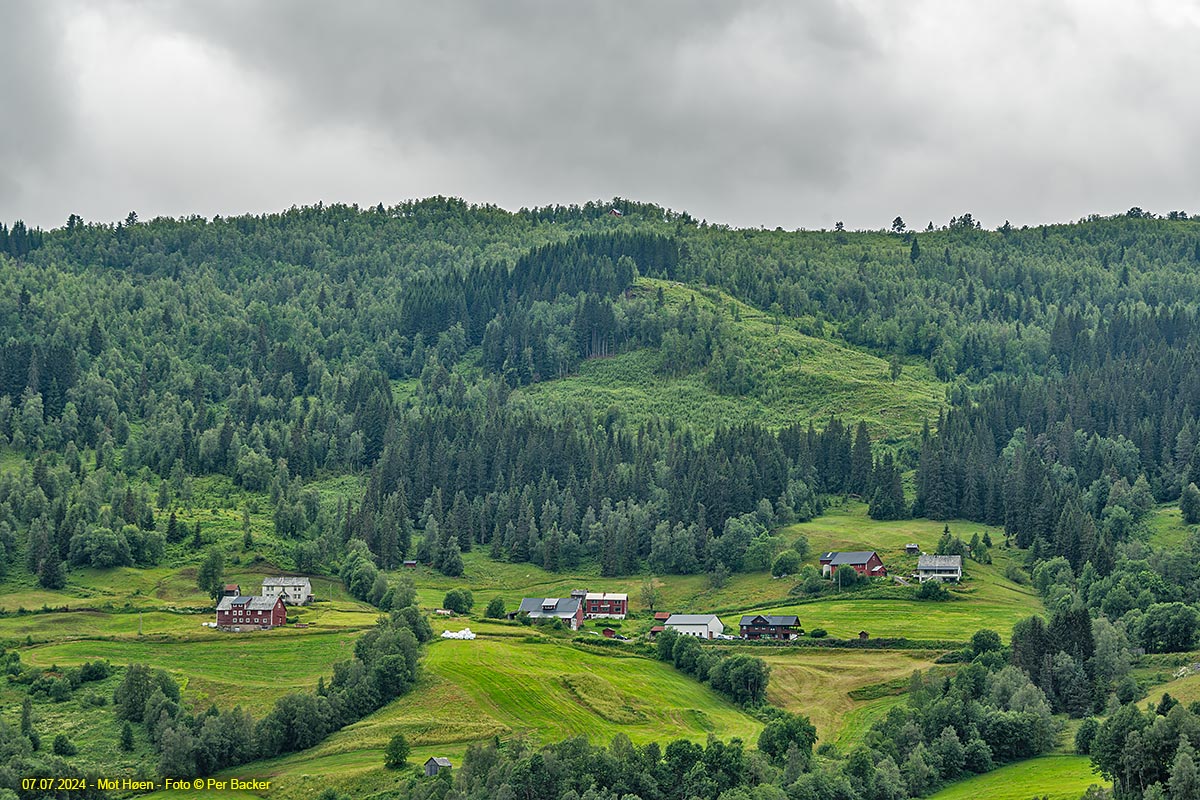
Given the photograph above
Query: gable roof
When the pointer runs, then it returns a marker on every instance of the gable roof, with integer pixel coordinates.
(837, 559)
(550, 606)
(441, 762)
(771, 620)
(606, 596)
(939, 562)
(691, 619)
(249, 602)
(285, 580)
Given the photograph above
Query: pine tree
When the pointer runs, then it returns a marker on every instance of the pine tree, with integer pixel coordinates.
(1189, 504)
(860, 462)
(52, 575)
(452, 563)
(174, 534)
(127, 737)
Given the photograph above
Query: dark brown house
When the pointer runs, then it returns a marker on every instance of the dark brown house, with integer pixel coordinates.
(761, 626)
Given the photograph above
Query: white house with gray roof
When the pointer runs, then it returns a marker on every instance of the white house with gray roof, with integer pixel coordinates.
(295, 590)
(567, 609)
(939, 568)
(702, 626)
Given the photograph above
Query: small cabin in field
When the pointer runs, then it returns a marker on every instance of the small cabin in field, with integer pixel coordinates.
(232, 590)
(912, 549)
(436, 764)
(410, 564)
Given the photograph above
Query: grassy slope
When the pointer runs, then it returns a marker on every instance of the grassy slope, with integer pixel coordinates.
(986, 599)
(818, 683)
(811, 378)
(1058, 777)
(503, 685)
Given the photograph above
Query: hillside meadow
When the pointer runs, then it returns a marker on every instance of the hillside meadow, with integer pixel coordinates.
(810, 378)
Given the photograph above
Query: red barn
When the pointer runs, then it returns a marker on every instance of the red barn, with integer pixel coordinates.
(263, 612)
(865, 562)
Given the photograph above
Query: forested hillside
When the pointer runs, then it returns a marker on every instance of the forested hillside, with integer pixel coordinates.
(411, 382)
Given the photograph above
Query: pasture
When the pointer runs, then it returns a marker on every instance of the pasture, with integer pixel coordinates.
(806, 378)
(1057, 777)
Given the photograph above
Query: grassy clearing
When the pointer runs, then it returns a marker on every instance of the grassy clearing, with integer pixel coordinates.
(1058, 777)
(252, 669)
(810, 379)
(986, 599)
(818, 683)
(1167, 528)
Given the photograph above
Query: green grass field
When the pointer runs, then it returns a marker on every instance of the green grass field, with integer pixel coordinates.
(811, 378)
(818, 683)
(509, 687)
(985, 599)
(251, 669)
(1058, 777)
(1167, 528)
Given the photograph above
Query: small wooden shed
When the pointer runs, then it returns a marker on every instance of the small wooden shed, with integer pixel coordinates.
(436, 764)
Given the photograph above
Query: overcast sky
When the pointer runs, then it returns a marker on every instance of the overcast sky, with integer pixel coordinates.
(795, 114)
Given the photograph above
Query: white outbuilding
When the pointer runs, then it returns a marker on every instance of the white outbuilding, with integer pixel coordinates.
(702, 626)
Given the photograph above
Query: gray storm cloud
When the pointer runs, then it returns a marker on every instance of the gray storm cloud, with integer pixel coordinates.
(752, 113)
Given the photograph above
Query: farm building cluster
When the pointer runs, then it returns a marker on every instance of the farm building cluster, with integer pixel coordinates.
(238, 612)
(868, 564)
(575, 609)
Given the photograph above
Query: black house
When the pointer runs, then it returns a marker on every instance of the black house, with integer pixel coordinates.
(762, 626)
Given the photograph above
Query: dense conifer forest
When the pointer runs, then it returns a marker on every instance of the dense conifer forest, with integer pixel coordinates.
(394, 344)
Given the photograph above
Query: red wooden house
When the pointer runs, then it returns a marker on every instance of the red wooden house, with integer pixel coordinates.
(865, 562)
(251, 611)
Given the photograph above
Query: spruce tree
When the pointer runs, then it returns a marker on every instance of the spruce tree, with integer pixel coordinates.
(452, 563)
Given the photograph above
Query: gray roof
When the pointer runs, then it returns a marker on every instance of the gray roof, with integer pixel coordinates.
(441, 762)
(285, 580)
(690, 619)
(939, 562)
(251, 602)
(855, 557)
(771, 620)
(563, 606)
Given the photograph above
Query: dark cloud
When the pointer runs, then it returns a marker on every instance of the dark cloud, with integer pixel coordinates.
(35, 99)
(749, 113)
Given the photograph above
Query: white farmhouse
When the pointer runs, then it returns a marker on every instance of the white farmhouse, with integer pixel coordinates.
(295, 591)
(939, 568)
(702, 626)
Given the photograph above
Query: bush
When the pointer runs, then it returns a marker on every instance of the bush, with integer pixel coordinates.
(460, 601)
(64, 746)
(1015, 574)
(786, 563)
(818, 633)
(396, 755)
(933, 590)
(985, 641)
(495, 609)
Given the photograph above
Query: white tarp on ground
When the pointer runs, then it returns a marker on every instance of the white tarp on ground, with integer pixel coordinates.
(465, 633)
